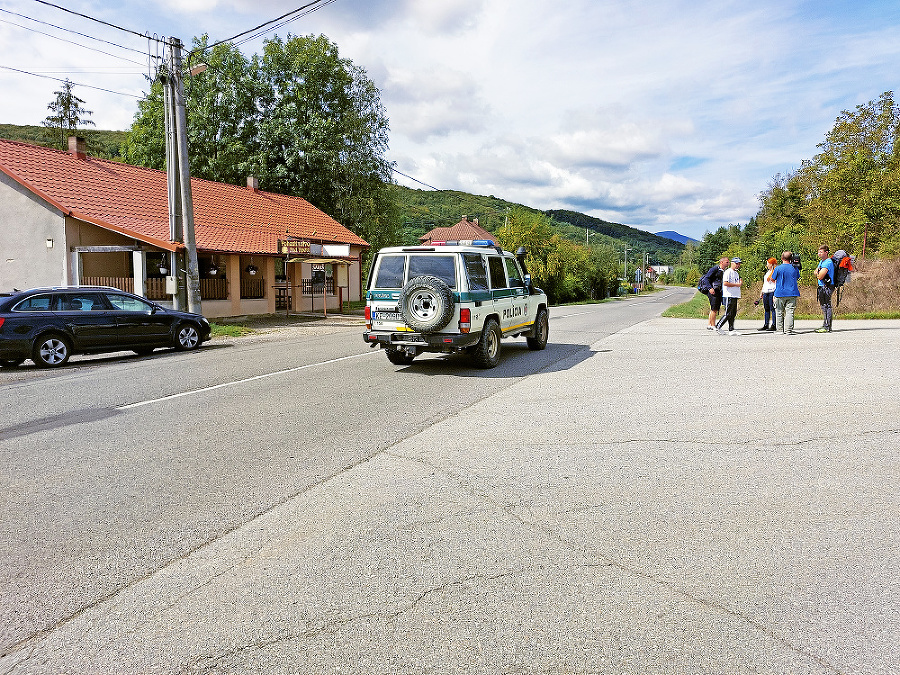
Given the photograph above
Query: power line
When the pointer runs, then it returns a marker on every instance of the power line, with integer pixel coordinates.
(79, 84)
(416, 180)
(69, 30)
(90, 18)
(268, 23)
(71, 42)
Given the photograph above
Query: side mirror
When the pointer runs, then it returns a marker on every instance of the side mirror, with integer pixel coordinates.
(528, 281)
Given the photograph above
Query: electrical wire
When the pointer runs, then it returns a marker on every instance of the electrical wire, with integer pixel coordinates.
(283, 23)
(69, 30)
(71, 42)
(90, 18)
(79, 84)
(416, 180)
(267, 23)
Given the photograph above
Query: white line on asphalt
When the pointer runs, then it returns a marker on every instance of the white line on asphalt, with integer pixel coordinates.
(236, 382)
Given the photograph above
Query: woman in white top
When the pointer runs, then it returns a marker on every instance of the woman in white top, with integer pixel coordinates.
(767, 296)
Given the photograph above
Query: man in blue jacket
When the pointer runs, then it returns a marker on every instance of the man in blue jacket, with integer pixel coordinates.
(787, 292)
(825, 275)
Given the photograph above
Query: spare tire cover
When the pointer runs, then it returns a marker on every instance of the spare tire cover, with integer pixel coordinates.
(426, 304)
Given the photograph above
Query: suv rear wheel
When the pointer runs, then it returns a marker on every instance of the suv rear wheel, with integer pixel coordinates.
(426, 304)
(487, 352)
(399, 357)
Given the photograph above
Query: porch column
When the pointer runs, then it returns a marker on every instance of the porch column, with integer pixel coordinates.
(139, 263)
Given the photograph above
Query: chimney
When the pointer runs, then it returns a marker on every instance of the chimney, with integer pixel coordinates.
(475, 221)
(78, 147)
(465, 219)
(252, 183)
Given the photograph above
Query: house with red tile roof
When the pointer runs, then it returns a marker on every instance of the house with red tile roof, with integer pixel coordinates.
(67, 218)
(464, 230)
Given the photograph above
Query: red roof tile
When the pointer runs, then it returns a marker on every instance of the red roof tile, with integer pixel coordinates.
(134, 201)
(463, 230)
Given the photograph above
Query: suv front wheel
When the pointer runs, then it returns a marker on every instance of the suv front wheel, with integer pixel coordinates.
(487, 352)
(541, 330)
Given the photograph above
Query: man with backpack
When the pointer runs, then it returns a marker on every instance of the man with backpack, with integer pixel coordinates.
(825, 287)
(711, 284)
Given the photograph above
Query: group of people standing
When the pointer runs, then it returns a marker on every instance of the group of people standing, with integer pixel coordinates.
(778, 295)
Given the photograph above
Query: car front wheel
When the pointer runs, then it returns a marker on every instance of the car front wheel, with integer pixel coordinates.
(541, 330)
(186, 337)
(51, 351)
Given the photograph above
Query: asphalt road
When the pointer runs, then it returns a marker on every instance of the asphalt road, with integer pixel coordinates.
(643, 496)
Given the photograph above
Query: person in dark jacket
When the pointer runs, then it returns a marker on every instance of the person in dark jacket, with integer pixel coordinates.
(715, 274)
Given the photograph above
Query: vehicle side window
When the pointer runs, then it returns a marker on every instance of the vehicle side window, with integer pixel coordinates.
(512, 271)
(498, 274)
(36, 303)
(441, 266)
(390, 272)
(476, 271)
(128, 304)
(81, 302)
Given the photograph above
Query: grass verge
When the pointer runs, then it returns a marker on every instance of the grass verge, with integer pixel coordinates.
(229, 330)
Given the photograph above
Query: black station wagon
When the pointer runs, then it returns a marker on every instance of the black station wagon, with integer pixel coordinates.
(48, 325)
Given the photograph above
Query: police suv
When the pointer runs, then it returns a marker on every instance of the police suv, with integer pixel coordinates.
(452, 296)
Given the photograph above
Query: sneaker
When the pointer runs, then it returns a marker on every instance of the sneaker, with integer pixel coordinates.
(823, 330)
(733, 332)
(790, 332)
(719, 331)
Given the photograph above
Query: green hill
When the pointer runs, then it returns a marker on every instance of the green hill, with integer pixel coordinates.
(103, 144)
(423, 210)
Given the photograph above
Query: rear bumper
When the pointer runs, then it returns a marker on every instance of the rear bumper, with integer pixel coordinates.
(425, 342)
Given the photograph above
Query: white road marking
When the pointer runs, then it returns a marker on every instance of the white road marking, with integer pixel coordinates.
(237, 382)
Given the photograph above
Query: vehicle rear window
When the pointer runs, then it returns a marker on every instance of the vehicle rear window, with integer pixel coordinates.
(476, 271)
(36, 303)
(390, 272)
(441, 266)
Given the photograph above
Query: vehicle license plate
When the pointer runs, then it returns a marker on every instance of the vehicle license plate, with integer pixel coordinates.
(387, 316)
(412, 338)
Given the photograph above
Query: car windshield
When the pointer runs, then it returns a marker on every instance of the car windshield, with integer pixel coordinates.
(441, 266)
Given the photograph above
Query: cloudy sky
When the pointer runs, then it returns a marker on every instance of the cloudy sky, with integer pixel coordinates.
(660, 114)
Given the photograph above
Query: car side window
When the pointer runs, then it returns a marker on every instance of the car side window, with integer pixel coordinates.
(498, 274)
(476, 271)
(390, 272)
(36, 303)
(82, 302)
(128, 304)
(512, 271)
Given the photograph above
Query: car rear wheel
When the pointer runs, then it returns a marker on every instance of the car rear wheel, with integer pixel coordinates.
(541, 330)
(426, 304)
(187, 337)
(10, 363)
(51, 351)
(487, 352)
(399, 357)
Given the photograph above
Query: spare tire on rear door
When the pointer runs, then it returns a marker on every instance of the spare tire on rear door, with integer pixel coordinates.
(426, 304)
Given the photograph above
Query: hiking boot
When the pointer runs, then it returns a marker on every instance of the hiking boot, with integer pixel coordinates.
(773, 329)
(765, 328)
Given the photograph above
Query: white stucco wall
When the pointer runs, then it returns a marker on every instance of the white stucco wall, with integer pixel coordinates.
(26, 223)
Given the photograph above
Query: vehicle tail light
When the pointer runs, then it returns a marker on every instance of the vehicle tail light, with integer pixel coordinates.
(1, 321)
(465, 320)
(368, 318)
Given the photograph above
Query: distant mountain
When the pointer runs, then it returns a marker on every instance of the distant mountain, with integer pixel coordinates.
(661, 249)
(669, 234)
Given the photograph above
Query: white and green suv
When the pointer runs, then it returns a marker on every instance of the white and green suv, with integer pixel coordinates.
(450, 297)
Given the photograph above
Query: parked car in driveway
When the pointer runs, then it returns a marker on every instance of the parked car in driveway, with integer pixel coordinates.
(48, 325)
